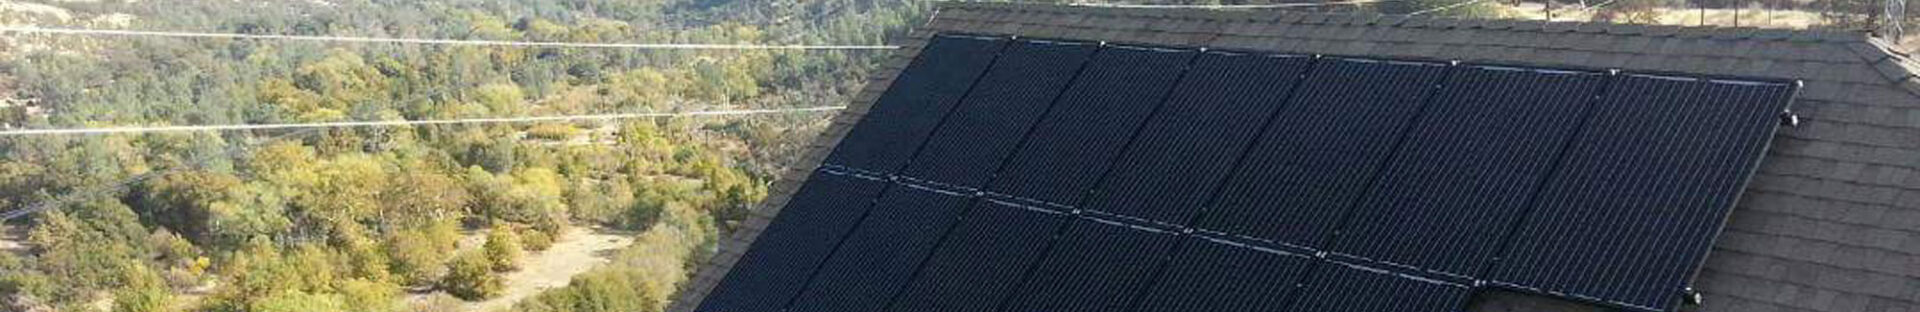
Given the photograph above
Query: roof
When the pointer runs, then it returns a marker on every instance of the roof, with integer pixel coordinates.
(1830, 223)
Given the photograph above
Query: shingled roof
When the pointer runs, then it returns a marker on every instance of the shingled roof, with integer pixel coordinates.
(1830, 223)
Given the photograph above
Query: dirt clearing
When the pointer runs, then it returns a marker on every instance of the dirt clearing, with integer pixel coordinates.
(581, 249)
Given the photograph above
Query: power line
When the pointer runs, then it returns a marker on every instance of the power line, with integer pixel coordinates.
(648, 46)
(392, 123)
(231, 151)
(1227, 6)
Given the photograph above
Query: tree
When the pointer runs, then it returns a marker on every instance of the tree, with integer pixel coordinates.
(470, 277)
(502, 248)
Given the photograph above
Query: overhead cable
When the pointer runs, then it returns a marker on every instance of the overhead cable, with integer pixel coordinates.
(393, 123)
(643, 46)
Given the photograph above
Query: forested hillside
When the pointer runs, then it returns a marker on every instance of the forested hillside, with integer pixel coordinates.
(387, 218)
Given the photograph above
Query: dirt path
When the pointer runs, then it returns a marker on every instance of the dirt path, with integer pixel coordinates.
(579, 250)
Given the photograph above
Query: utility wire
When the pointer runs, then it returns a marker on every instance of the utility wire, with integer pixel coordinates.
(1227, 6)
(232, 151)
(392, 123)
(1444, 8)
(643, 46)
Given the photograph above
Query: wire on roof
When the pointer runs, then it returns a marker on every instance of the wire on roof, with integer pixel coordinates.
(647, 46)
(1228, 6)
(395, 123)
(1602, 4)
(1444, 8)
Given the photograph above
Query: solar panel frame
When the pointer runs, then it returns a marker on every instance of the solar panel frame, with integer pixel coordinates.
(1544, 257)
(1210, 274)
(1468, 169)
(1344, 287)
(1014, 95)
(1178, 161)
(777, 265)
(878, 257)
(1093, 121)
(1296, 197)
(921, 96)
(1094, 265)
(979, 264)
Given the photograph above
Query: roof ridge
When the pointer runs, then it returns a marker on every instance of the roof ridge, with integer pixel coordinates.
(1402, 21)
(1897, 67)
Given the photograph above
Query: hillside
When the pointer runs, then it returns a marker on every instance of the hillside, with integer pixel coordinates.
(361, 219)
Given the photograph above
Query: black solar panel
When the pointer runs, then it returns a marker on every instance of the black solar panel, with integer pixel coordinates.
(1341, 287)
(994, 117)
(1318, 155)
(1091, 123)
(983, 259)
(777, 265)
(921, 96)
(1187, 149)
(882, 253)
(1176, 180)
(1094, 266)
(1643, 189)
(1217, 275)
(1468, 168)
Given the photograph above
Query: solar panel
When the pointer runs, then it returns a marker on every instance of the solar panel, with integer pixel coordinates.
(777, 265)
(1095, 265)
(1091, 123)
(1319, 153)
(980, 263)
(1341, 287)
(878, 257)
(1189, 147)
(1208, 274)
(921, 95)
(990, 122)
(1641, 192)
(1468, 168)
(1294, 183)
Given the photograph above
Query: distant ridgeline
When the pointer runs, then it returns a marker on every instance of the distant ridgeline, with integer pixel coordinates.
(1055, 175)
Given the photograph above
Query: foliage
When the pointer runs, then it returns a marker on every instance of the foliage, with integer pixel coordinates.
(502, 249)
(420, 254)
(351, 219)
(470, 276)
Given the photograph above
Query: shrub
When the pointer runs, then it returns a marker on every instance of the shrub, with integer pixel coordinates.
(470, 277)
(502, 248)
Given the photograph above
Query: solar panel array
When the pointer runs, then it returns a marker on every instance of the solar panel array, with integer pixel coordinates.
(1032, 175)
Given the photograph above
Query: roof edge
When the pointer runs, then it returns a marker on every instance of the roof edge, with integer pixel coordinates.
(1402, 21)
(1899, 69)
